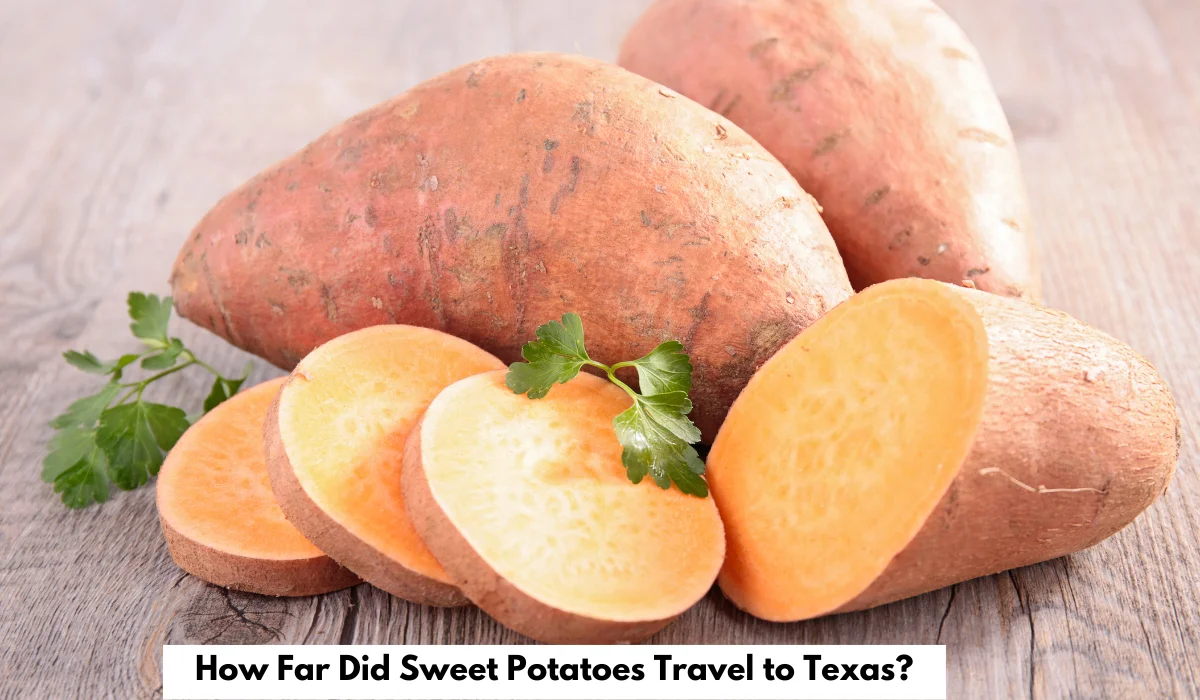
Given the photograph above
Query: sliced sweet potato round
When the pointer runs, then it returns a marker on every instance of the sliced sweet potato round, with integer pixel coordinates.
(527, 506)
(335, 440)
(219, 516)
(922, 434)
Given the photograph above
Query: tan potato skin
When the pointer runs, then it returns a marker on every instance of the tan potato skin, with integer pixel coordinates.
(329, 536)
(1073, 414)
(283, 577)
(498, 196)
(490, 591)
(881, 109)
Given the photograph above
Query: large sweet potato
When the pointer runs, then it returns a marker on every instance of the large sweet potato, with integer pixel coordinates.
(880, 108)
(503, 194)
(989, 434)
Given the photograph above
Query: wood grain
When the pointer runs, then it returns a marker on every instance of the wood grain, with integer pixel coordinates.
(129, 119)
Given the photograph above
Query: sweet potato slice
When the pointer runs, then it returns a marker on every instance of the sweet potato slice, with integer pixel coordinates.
(219, 517)
(922, 434)
(526, 504)
(335, 440)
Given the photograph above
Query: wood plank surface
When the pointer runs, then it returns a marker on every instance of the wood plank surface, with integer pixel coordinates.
(123, 122)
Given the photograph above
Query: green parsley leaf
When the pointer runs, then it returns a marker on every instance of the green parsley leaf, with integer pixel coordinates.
(222, 389)
(655, 433)
(86, 411)
(67, 447)
(85, 482)
(150, 315)
(554, 358)
(99, 443)
(667, 368)
(166, 358)
(653, 437)
(134, 437)
(85, 361)
(88, 362)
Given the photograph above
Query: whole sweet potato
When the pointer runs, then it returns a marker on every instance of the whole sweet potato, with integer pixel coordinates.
(500, 195)
(881, 109)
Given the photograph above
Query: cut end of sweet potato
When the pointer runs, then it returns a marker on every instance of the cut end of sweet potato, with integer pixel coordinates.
(527, 505)
(841, 446)
(219, 517)
(335, 441)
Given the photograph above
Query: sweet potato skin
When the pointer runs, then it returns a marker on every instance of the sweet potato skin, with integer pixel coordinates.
(1079, 435)
(489, 589)
(282, 577)
(881, 109)
(500, 195)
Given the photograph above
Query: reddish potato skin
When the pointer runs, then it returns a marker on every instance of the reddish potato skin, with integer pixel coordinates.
(1079, 435)
(502, 194)
(881, 109)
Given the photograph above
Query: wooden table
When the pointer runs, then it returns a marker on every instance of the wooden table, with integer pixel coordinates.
(124, 121)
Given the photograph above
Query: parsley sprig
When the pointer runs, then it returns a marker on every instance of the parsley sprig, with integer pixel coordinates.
(115, 436)
(655, 432)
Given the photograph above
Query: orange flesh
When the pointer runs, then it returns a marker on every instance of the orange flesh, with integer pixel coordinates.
(345, 415)
(537, 489)
(843, 443)
(213, 487)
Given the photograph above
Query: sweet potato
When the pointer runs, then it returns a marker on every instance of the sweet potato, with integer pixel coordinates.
(881, 109)
(527, 506)
(335, 438)
(922, 434)
(219, 517)
(510, 191)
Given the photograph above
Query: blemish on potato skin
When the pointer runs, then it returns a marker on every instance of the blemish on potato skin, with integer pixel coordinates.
(241, 237)
(977, 271)
(521, 95)
(724, 111)
(922, 260)
(982, 136)
(297, 279)
(568, 187)
(761, 47)
(829, 143)
(782, 90)
(349, 156)
(277, 309)
(262, 241)
(291, 186)
(369, 216)
(877, 196)
(900, 239)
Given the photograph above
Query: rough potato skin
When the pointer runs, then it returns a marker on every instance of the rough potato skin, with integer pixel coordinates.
(1079, 435)
(488, 589)
(327, 534)
(881, 109)
(500, 195)
(277, 577)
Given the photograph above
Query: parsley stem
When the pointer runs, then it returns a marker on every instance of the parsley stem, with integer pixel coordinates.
(612, 377)
(192, 359)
